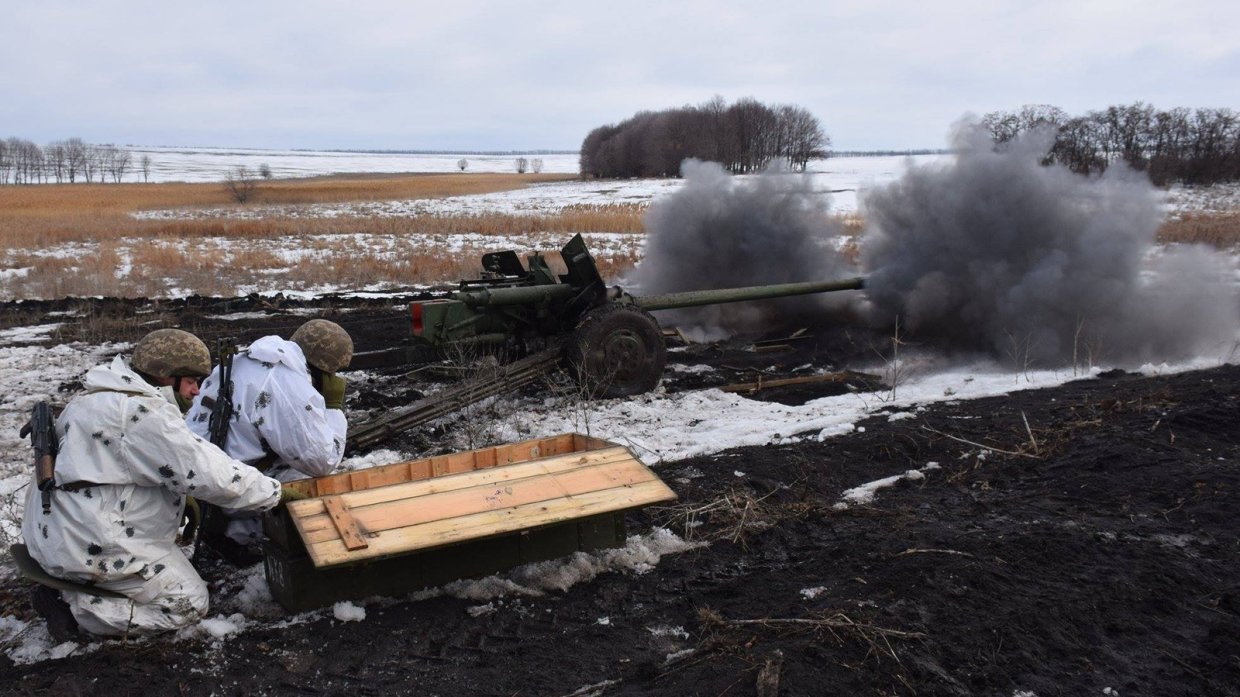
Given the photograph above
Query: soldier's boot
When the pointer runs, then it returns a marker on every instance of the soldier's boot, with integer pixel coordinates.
(55, 611)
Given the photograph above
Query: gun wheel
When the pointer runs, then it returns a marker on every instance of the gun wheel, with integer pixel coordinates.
(618, 351)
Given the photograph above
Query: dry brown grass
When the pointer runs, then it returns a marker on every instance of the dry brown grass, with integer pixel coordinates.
(51, 214)
(1219, 230)
(100, 249)
(120, 256)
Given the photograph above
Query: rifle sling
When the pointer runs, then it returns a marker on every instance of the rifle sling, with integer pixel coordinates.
(77, 486)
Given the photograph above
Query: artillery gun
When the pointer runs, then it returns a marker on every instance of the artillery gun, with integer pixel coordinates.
(612, 340)
(606, 335)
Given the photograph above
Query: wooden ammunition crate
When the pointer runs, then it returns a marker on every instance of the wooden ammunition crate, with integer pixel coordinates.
(398, 528)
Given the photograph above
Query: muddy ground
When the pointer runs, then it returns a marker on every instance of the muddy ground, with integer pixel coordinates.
(1080, 540)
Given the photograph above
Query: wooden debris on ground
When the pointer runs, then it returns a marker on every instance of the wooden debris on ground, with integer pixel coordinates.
(841, 376)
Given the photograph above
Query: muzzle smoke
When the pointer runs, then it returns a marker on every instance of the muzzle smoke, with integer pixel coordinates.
(997, 253)
(720, 231)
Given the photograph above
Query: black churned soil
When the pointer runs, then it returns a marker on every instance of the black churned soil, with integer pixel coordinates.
(1072, 540)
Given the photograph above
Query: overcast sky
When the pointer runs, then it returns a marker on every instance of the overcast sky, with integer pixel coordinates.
(464, 74)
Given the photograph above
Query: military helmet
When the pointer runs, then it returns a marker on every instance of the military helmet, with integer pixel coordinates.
(326, 344)
(167, 353)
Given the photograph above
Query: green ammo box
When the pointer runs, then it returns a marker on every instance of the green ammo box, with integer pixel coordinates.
(398, 528)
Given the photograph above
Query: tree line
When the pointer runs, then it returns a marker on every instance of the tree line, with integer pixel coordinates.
(72, 160)
(743, 137)
(1192, 146)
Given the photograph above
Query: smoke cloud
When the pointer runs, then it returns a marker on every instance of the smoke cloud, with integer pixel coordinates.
(721, 231)
(994, 252)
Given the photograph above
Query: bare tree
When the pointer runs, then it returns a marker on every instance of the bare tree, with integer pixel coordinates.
(744, 137)
(664, 145)
(240, 184)
(751, 125)
(146, 168)
(1125, 129)
(55, 161)
(92, 162)
(462, 163)
(114, 161)
(1002, 126)
(801, 138)
(75, 158)
(1216, 144)
(594, 159)
(521, 165)
(124, 158)
(536, 165)
(24, 161)
(15, 160)
(37, 169)
(1078, 146)
(6, 162)
(1198, 147)
(264, 171)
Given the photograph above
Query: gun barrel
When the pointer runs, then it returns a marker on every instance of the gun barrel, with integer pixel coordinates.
(695, 298)
(519, 295)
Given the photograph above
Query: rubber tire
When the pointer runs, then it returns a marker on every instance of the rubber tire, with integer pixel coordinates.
(618, 351)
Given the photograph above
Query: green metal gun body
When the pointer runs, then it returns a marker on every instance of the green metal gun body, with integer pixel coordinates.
(42, 431)
(698, 298)
(544, 308)
(516, 301)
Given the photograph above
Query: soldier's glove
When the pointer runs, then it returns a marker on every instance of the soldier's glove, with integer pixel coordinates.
(290, 494)
(333, 391)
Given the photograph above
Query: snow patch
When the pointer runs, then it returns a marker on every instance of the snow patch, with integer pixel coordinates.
(864, 494)
(348, 612)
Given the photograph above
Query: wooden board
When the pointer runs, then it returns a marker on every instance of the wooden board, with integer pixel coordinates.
(345, 524)
(471, 496)
(426, 468)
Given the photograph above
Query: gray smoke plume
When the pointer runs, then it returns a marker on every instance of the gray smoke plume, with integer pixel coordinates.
(720, 231)
(995, 252)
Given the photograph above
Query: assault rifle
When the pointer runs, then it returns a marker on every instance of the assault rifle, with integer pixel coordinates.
(221, 410)
(42, 431)
(217, 431)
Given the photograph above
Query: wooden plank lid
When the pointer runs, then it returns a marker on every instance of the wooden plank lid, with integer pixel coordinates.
(396, 519)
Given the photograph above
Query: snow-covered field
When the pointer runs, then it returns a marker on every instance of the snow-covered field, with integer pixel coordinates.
(838, 180)
(659, 427)
(190, 164)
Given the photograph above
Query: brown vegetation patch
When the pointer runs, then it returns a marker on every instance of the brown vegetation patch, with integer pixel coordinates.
(57, 213)
(1217, 229)
(117, 255)
(161, 267)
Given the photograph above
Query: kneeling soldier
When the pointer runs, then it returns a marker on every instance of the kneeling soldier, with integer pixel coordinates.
(287, 417)
(127, 461)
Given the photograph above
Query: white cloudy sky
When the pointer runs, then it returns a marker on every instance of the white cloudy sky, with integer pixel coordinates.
(479, 74)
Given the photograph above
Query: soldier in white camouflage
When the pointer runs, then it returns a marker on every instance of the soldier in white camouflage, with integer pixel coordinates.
(126, 464)
(288, 416)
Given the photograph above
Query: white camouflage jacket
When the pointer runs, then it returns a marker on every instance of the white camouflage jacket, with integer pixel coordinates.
(127, 453)
(276, 412)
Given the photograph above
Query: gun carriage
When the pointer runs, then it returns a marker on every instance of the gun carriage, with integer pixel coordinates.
(604, 335)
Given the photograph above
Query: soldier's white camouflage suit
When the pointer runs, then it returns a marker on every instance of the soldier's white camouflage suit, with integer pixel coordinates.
(277, 414)
(127, 446)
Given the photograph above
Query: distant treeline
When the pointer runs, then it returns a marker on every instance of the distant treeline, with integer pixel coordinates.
(24, 162)
(1193, 146)
(743, 137)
